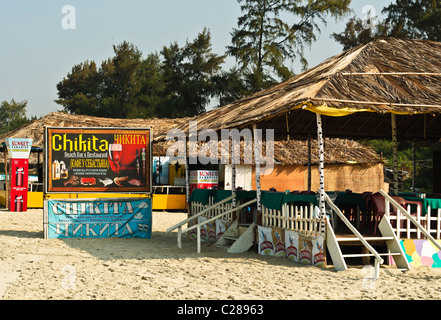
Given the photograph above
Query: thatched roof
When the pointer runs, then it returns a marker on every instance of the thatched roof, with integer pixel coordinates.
(35, 129)
(364, 84)
(291, 152)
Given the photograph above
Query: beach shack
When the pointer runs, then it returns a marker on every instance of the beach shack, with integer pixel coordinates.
(166, 196)
(387, 89)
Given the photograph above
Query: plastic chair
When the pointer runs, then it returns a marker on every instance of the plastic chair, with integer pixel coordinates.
(380, 207)
(368, 214)
(405, 203)
(307, 192)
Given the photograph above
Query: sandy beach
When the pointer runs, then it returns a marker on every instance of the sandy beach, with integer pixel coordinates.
(34, 268)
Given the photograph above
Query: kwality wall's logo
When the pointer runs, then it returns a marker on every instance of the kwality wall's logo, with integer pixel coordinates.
(203, 146)
(19, 148)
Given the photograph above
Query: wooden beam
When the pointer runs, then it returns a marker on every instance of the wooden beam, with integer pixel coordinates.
(257, 154)
(390, 74)
(395, 156)
(378, 103)
(320, 141)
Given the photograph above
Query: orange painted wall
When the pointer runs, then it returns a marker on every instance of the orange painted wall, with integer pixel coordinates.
(356, 177)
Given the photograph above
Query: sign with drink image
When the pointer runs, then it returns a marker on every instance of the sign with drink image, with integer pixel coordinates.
(18, 151)
(98, 160)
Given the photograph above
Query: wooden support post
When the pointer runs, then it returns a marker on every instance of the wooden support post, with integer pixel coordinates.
(6, 180)
(413, 165)
(321, 169)
(309, 163)
(257, 154)
(187, 182)
(395, 156)
(233, 182)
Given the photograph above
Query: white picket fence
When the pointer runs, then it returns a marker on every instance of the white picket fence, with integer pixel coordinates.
(303, 219)
(406, 230)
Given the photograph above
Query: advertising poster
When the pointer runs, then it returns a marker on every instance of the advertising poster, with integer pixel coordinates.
(203, 179)
(18, 185)
(266, 245)
(296, 247)
(161, 170)
(18, 151)
(292, 245)
(98, 218)
(98, 160)
(19, 148)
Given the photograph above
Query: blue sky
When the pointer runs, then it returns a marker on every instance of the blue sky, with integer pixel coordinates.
(36, 52)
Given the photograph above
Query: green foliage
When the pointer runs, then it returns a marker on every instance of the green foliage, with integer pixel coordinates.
(423, 162)
(176, 83)
(409, 19)
(187, 76)
(355, 34)
(13, 115)
(271, 33)
(415, 19)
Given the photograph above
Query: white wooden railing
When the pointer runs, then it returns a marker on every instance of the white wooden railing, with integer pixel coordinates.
(204, 210)
(219, 216)
(293, 217)
(410, 230)
(214, 208)
(389, 200)
(378, 259)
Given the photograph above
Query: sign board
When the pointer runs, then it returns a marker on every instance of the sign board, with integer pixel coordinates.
(294, 245)
(18, 185)
(203, 179)
(97, 160)
(98, 218)
(19, 148)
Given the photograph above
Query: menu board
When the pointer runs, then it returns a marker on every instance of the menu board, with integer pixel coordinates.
(97, 160)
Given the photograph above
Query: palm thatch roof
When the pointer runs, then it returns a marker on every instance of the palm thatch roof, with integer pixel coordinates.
(292, 152)
(356, 89)
(286, 152)
(35, 129)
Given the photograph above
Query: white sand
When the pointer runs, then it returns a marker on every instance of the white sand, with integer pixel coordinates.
(34, 268)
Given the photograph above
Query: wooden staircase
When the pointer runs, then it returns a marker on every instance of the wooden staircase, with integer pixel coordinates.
(238, 237)
(388, 239)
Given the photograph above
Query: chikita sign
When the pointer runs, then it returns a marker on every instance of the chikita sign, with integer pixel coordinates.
(98, 160)
(98, 218)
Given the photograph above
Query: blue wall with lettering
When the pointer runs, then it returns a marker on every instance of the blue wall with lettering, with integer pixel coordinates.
(98, 218)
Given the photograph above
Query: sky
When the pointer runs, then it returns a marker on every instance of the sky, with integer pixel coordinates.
(42, 40)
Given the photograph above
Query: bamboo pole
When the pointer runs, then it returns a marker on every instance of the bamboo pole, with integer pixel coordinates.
(390, 74)
(309, 163)
(395, 155)
(321, 167)
(413, 165)
(376, 103)
(257, 153)
(233, 181)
